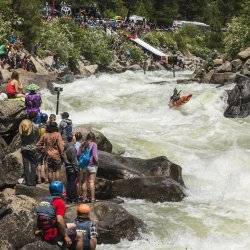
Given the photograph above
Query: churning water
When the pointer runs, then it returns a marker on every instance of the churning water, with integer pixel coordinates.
(214, 153)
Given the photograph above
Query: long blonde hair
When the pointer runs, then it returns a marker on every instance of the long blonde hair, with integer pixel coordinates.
(25, 127)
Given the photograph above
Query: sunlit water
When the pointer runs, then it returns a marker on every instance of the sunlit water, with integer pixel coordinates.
(214, 153)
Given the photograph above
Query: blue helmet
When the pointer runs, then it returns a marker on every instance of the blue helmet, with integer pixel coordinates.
(44, 118)
(56, 188)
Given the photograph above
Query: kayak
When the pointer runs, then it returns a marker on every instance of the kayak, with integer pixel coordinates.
(180, 102)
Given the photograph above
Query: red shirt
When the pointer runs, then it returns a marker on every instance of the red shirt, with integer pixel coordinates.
(60, 209)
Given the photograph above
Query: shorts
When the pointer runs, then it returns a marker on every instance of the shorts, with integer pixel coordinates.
(53, 164)
(92, 169)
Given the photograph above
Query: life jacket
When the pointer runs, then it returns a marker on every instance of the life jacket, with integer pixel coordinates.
(46, 214)
(85, 226)
(85, 157)
(33, 103)
(11, 89)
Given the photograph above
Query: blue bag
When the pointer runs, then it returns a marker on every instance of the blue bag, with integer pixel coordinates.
(85, 158)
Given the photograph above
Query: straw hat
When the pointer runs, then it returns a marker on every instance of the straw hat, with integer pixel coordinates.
(25, 127)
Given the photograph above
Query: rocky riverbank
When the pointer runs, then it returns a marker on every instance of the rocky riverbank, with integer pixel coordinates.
(155, 180)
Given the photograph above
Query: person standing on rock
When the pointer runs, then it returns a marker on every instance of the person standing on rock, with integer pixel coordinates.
(86, 226)
(52, 145)
(65, 126)
(89, 154)
(72, 171)
(33, 103)
(29, 135)
(51, 224)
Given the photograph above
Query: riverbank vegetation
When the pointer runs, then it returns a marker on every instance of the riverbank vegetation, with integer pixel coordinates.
(66, 39)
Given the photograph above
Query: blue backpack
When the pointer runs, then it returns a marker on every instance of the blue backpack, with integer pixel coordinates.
(85, 158)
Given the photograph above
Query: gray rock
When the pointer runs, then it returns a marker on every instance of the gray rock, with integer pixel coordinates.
(114, 167)
(236, 65)
(222, 78)
(102, 142)
(40, 245)
(245, 54)
(225, 67)
(154, 189)
(11, 169)
(134, 67)
(246, 68)
(11, 114)
(218, 62)
(238, 101)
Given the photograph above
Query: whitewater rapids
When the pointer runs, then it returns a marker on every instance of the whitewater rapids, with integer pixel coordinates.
(214, 153)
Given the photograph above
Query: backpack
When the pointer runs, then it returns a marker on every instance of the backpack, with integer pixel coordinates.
(85, 157)
(69, 129)
(46, 214)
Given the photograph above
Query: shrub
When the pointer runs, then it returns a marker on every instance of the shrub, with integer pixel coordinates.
(136, 54)
(5, 30)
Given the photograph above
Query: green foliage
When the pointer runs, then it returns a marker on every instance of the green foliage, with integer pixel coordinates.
(5, 30)
(136, 54)
(237, 37)
(68, 40)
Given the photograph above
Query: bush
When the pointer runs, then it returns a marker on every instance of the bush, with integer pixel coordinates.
(237, 36)
(5, 30)
(136, 54)
(68, 40)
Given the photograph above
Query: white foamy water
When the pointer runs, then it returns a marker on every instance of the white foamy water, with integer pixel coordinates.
(214, 153)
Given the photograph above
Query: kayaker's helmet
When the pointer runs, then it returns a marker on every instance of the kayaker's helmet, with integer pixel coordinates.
(56, 188)
(44, 118)
(83, 210)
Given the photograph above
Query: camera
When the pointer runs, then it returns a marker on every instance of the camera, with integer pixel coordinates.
(58, 89)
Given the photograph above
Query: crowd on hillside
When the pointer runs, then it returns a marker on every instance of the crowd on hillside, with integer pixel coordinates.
(53, 154)
(13, 56)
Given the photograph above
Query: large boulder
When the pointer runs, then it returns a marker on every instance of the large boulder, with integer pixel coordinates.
(40, 245)
(217, 62)
(11, 169)
(3, 148)
(11, 114)
(246, 68)
(236, 65)
(113, 222)
(17, 227)
(114, 167)
(225, 67)
(238, 101)
(103, 143)
(154, 189)
(134, 67)
(222, 78)
(245, 54)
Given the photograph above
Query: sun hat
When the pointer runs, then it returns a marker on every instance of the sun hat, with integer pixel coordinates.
(32, 87)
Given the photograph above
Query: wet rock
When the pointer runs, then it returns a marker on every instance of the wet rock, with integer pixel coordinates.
(225, 67)
(241, 79)
(236, 65)
(15, 143)
(245, 54)
(238, 101)
(246, 68)
(11, 114)
(103, 143)
(103, 189)
(11, 169)
(114, 167)
(3, 148)
(154, 189)
(113, 222)
(65, 75)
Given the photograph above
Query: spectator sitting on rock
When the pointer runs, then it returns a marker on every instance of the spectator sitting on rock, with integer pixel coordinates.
(51, 225)
(14, 87)
(84, 224)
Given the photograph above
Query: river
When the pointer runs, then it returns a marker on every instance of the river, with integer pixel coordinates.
(214, 153)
